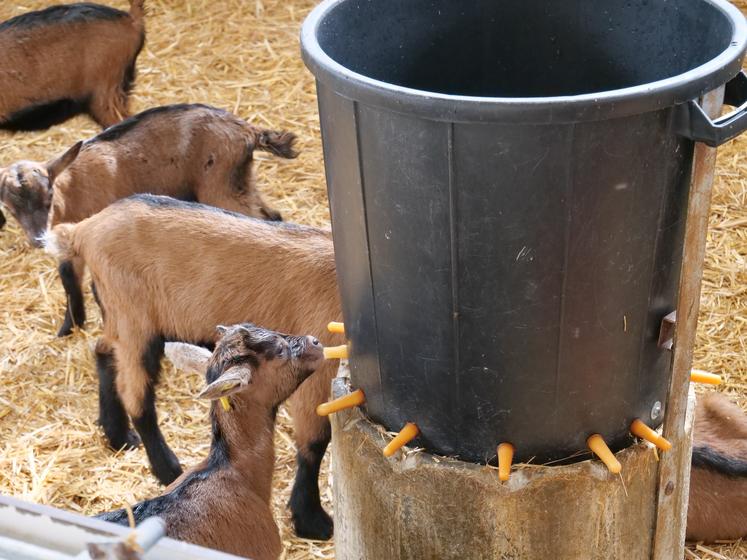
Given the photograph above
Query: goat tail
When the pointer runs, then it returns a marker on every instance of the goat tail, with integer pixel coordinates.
(705, 457)
(280, 143)
(58, 242)
(137, 10)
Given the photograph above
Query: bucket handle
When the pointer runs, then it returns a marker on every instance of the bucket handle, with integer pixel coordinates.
(693, 123)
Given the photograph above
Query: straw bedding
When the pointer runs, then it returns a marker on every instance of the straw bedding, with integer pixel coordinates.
(242, 55)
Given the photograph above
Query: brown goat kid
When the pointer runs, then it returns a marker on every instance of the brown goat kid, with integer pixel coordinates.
(170, 270)
(224, 502)
(718, 480)
(69, 59)
(190, 152)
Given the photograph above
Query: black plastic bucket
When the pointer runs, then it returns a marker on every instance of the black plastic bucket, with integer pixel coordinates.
(508, 182)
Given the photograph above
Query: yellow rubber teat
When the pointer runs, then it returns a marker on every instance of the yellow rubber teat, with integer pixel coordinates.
(356, 398)
(700, 376)
(597, 445)
(639, 429)
(505, 458)
(336, 328)
(336, 352)
(405, 436)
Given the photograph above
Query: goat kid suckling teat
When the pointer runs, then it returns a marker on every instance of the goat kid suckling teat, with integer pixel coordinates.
(224, 502)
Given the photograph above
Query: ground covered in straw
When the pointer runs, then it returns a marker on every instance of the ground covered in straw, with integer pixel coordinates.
(242, 55)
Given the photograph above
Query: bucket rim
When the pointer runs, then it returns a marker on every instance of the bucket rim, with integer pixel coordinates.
(615, 103)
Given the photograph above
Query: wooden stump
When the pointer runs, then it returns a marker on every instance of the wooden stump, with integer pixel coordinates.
(419, 506)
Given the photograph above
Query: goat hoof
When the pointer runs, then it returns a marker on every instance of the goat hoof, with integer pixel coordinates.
(167, 472)
(316, 525)
(130, 441)
(65, 330)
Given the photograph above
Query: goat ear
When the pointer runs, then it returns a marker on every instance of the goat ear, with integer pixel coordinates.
(233, 380)
(221, 330)
(58, 165)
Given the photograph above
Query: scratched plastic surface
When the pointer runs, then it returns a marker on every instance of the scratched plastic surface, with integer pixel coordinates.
(505, 260)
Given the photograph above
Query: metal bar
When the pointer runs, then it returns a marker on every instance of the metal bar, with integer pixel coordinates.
(54, 534)
(674, 467)
(147, 534)
(666, 332)
(19, 550)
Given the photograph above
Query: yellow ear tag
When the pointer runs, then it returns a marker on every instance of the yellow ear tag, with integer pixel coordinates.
(226, 403)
